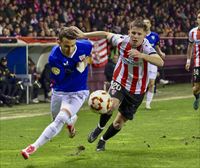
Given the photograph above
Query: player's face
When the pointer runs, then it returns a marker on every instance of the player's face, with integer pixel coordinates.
(137, 36)
(198, 19)
(67, 46)
(148, 23)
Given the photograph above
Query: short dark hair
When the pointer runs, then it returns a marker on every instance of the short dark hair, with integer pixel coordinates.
(67, 32)
(138, 22)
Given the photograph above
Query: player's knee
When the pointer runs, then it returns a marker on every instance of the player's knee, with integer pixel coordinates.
(62, 116)
(151, 85)
(115, 104)
(196, 88)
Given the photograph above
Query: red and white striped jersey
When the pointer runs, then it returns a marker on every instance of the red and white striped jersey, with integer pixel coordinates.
(99, 52)
(194, 37)
(131, 73)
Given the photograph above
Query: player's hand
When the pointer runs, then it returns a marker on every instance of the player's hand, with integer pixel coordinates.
(78, 32)
(135, 53)
(187, 67)
(162, 55)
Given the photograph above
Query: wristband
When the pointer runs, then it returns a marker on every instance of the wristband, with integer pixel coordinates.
(188, 61)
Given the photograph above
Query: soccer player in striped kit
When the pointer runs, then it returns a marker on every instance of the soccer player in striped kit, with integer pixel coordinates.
(153, 39)
(130, 77)
(69, 73)
(194, 49)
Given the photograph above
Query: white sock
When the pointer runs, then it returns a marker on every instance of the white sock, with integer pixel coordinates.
(52, 129)
(149, 97)
(72, 120)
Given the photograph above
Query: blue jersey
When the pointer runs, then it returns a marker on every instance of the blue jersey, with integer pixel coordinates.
(153, 39)
(64, 73)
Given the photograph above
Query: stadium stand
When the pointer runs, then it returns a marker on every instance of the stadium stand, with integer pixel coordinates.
(44, 18)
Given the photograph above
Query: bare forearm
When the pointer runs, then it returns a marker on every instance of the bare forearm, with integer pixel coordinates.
(101, 34)
(189, 51)
(153, 59)
(160, 53)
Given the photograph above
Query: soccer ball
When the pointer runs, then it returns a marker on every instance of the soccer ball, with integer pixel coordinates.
(100, 101)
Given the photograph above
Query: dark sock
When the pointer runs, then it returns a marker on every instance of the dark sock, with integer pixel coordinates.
(196, 96)
(111, 131)
(104, 119)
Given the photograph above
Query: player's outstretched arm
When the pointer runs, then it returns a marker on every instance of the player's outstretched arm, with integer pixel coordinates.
(100, 34)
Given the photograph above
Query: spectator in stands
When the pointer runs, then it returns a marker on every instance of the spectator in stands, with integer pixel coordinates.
(180, 44)
(193, 49)
(6, 34)
(35, 81)
(170, 45)
(101, 13)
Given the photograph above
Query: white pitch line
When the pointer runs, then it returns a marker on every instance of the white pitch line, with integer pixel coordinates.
(86, 108)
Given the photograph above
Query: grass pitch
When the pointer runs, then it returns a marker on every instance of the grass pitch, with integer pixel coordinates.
(168, 136)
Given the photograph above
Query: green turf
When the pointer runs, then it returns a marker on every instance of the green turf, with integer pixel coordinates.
(168, 136)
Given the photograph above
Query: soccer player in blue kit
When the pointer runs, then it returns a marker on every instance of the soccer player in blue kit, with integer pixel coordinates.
(69, 73)
(153, 39)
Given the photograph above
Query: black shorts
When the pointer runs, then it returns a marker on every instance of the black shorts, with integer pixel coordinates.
(129, 103)
(196, 74)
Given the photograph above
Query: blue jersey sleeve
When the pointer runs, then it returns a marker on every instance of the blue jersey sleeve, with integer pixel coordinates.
(157, 40)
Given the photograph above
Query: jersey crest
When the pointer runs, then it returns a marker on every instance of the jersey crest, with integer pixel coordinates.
(55, 70)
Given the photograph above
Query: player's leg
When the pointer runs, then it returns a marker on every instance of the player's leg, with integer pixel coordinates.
(196, 92)
(67, 115)
(151, 87)
(127, 109)
(50, 131)
(150, 93)
(115, 92)
(56, 100)
(196, 87)
(112, 130)
(152, 73)
(73, 105)
(104, 118)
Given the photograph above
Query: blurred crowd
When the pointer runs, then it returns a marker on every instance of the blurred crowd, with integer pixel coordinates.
(46, 17)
